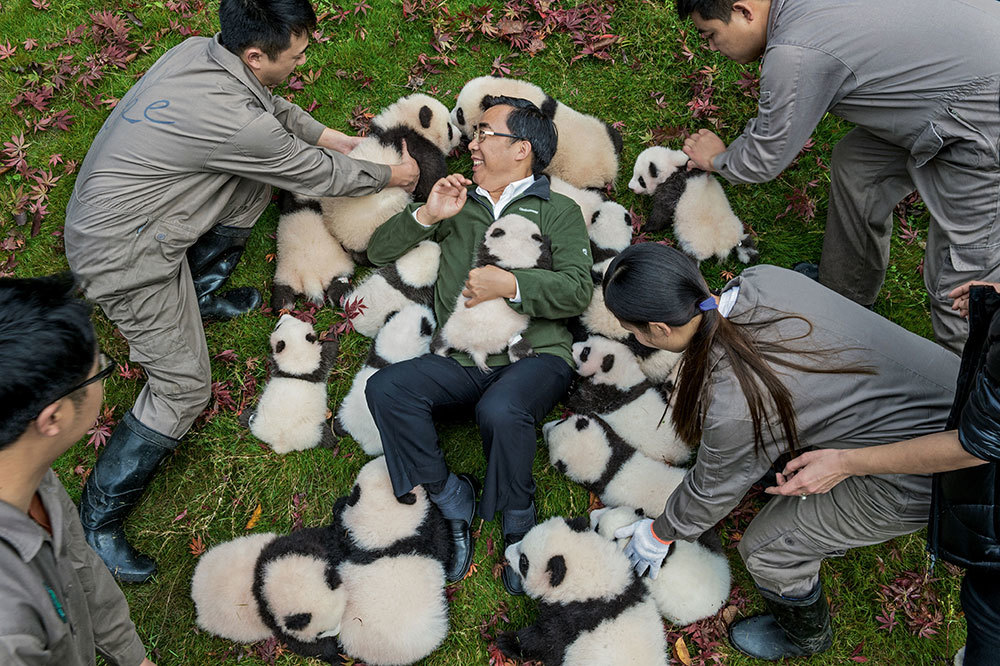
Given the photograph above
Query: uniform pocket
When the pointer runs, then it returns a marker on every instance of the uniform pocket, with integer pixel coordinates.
(967, 262)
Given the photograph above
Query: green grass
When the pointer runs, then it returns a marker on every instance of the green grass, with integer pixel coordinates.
(221, 473)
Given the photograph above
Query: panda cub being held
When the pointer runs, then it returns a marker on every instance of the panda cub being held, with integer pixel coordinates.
(591, 607)
(490, 327)
(291, 414)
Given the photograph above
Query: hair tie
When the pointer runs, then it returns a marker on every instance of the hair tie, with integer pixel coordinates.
(708, 304)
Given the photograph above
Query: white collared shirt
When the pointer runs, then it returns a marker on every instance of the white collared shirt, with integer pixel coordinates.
(728, 299)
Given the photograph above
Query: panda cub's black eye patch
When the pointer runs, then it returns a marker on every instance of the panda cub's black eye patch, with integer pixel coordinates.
(585, 354)
(522, 564)
(497, 233)
(653, 170)
(280, 347)
(425, 327)
(608, 363)
(642, 182)
(297, 622)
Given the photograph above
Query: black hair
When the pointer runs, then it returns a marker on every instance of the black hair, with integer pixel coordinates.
(707, 9)
(47, 343)
(649, 282)
(529, 123)
(266, 24)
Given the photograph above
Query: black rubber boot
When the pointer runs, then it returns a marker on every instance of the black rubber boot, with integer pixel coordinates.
(515, 525)
(114, 487)
(213, 259)
(795, 628)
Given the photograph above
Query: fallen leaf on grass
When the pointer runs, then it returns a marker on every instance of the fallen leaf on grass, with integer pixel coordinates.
(681, 650)
(197, 546)
(254, 518)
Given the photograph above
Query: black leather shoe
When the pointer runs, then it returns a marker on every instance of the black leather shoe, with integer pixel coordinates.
(460, 531)
(114, 487)
(512, 581)
(794, 628)
(811, 271)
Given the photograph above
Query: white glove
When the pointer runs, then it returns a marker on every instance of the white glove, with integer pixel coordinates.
(645, 550)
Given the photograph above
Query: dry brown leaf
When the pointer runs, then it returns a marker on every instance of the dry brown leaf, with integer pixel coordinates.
(254, 518)
(196, 546)
(681, 650)
(729, 614)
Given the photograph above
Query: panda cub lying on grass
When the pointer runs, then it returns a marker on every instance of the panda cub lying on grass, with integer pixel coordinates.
(336, 590)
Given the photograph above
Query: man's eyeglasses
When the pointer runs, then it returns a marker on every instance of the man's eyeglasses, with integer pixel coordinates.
(107, 366)
(480, 132)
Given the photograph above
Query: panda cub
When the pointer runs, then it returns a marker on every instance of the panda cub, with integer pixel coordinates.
(616, 389)
(422, 122)
(310, 262)
(409, 279)
(694, 582)
(406, 334)
(591, 607)
(588, 451)
(694, 202)
(588, 154)
(291, 414)
(492, 326)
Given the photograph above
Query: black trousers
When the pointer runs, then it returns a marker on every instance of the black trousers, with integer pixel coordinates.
(510, 401)
(981, 602)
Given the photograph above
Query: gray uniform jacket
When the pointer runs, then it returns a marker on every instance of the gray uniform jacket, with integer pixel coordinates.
(57, 599)
(919, 74)
(910, 394)
(193, 144)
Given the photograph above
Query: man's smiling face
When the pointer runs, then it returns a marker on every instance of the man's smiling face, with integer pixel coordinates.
(495, 159)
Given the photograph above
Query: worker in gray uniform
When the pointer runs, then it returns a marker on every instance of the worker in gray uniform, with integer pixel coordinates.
(162, 208)
(920, 80)
(775, 364)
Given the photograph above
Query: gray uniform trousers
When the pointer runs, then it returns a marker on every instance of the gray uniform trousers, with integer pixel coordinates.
(147, 290)
(961, 188)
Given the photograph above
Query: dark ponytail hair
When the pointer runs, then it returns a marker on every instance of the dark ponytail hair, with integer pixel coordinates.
(650, 282)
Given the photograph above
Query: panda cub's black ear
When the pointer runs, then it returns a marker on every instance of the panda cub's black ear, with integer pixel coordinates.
(582, 423)
(556, 568)
(497, 233)
(425, 116)
(608, 363)
(409, 498)
(280, 347)
(355, 496)
(310, 337)
(460, 116)
(578, 524)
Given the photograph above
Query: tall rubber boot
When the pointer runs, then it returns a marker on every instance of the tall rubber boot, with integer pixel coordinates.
(212, 259)
(114, 487)
(795, 628)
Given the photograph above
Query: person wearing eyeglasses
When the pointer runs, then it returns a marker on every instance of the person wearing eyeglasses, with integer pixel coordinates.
(59, 603)
(510, 147)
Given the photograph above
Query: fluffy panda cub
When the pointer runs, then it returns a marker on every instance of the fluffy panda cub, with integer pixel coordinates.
(409, 279)
(588, 451)
(406, 334)
(616, 389)
(694, 581)
(291, 414)
(492, 326)
(311, 263)
(591, 607)
(694, 202)
(588, 154)
(422, 122)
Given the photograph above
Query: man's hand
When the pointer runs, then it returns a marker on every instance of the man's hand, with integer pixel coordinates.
(815, 472)
(445, 200)
(960, 296)
(338, 141)
(701, 149)
(406, 173)
(487, 283)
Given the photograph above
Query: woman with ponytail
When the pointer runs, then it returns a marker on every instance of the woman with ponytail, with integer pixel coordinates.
(775, 364)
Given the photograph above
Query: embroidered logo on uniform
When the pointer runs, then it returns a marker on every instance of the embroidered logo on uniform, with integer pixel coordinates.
(584, 250)
(527, 210)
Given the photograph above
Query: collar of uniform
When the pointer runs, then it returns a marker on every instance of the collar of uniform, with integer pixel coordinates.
(772, 16)
(232, 64)
(539, 188)
(24, 534)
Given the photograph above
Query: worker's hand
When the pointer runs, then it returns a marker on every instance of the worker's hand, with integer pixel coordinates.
(645, 551)
(960, 296)
(489, 282)
(701, 148)
(811, 473)
(338, 141)
(445, 200)
(406, 173)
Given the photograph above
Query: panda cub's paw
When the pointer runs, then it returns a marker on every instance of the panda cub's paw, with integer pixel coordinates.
(509, 644)
(520, 348)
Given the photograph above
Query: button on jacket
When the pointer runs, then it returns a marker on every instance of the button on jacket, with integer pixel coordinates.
(59, 604)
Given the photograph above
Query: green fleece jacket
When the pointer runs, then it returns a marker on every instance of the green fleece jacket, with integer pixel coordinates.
(549, 297)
